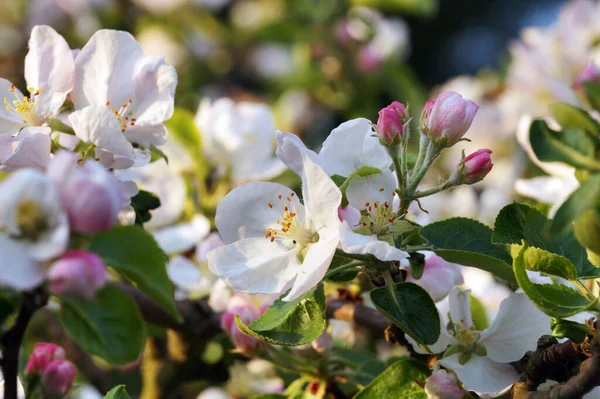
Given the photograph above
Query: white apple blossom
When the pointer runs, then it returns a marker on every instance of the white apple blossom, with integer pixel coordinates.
(481, 359)
(372, 234)
(553, 189)
(121, 98)
(274, 242)
(239, 137)
(33, 228)
(30, 148)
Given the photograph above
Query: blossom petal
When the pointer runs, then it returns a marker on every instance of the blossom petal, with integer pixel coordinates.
(147, 135)
(99, 126)
(460, 308)
(350, 146)
(443, 342)
(355, 243)
(105, 69)
(10, 122)
(315, 265)
(155, 83)
(183, 236)
(49, 68)
(321, 197)
(515, 330)
(370, 189)
(290, 149)
(17, 269)
(31, 148)
(481, 374)
(255, 265)
(245, 211)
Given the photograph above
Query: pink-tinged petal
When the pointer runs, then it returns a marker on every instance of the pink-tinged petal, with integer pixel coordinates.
(515, 330)
(17, 269)
(249, 210)
(155, 83)
(370, 189)
(255, 265)
(481, 374)
(351, 145)
(439, 277)
(349, 214)
(460, 309)
(147, 135)
(105, 70)
(99, 126)
(30, 149)
(10, 121)
(49, 68)
(315, 265)
(354, 243)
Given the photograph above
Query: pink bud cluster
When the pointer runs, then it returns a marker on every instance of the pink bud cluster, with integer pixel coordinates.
(390, 124)
(48, 364)
(248, 312)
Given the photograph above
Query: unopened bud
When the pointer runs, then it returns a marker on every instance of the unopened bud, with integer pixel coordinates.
(443, 385)
(447, 119)
(58, 378)
(43, 354)
(77, 272)
(390, 123)
(476, 166)
(248, 312)
(368, 60)
(591, 73)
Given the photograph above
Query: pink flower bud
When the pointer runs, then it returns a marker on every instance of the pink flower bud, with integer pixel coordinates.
(91, 195)
(248, 312)
(77, 272)
(367, 60)
(43, 354)
(476, 166)
(591, 73)
(389, 124)
(58, 378)
(438, 277)
(450, 117)
(443, 385)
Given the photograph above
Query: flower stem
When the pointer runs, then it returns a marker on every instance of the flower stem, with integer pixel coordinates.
(348, 267)
(360, 257)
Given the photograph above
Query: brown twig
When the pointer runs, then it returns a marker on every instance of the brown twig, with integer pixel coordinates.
(13, 338)
(358, 314)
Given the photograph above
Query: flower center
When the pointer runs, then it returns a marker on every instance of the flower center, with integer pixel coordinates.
(466, 337)
(24, 108)
(288, 227)
(124, 114)
(377, 217)
(31, 220)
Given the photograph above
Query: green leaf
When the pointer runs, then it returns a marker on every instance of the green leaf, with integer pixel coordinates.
(587, 229)
(296, 322)
(109, 326)
(269, 396)
(398, 382)
(469, 243)
(518, 222)
(426, 8)
(576, 332)
(9, 302)
(549, 148)
(553, 299)
(478, 313)
(411, 309)
(133, 252)
(539, 260)
(592, 92)
(142, 203)
(568, 116)
(156, 154)
(117, 392)
(585, 197)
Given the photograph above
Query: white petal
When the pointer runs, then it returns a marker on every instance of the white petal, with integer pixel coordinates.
(515, 330)
(350, 146)
(155, 83)
(369, 189)
(183, 272)
(49, 67)
(460, 309)
(29, 149)
(54, 242)
(546, 189)
(10, 122)
(183, 236)
(290, 149)
(105, 69)
(255, 265)
(481, 374)
(257, 169)
(355, 243)
(219, 297)
(17, 269)
(245, 211)
(147, 135)
(99, 126)
(321, 196)
(443, 342)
